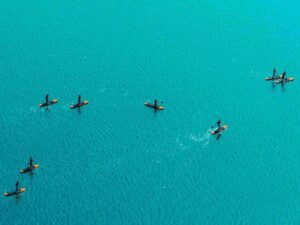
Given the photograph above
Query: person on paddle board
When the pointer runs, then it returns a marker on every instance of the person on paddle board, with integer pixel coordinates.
(31, 163)
(155, 104)
(47, 99)
(79, 99)
(274, 72)
(17, 186)
(219, 124)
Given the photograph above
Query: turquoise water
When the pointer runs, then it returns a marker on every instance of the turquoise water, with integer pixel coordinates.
(116, 162)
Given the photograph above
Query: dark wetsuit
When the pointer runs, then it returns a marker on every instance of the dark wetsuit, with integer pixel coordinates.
(155, 104)
(17, 186)
(79, 99)
(283, 77)
(47, 99)
(30, 163)
(219, 124)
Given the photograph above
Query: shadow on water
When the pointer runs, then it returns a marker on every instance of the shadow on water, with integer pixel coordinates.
(79, 111)
(31, 176)
(218, 136)
(18, 198)
(155, 112)
(47, 110)
(274, 87)
(283, 87)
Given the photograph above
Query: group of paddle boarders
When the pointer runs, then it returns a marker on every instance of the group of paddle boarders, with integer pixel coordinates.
(28, 169)
(279, 79)
(155, 106)
(48, 103)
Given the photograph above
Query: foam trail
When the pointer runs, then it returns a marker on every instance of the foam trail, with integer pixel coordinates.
(33, 109)
(180, 144)
(203, 138)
